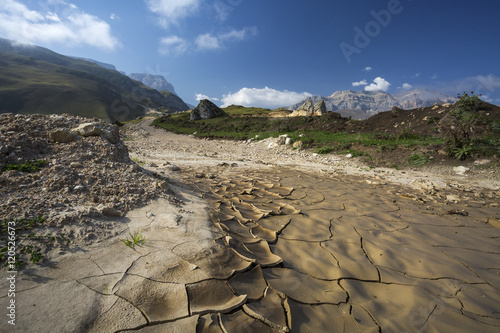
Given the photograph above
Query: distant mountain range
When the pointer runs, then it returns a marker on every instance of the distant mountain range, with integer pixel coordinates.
(364, 104)
(37, 80)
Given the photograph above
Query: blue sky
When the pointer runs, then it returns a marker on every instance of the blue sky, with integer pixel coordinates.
(274, 53)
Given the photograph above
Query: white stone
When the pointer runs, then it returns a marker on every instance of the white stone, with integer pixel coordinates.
(461, 170)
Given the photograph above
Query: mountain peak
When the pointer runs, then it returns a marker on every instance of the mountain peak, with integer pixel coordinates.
(157, 82)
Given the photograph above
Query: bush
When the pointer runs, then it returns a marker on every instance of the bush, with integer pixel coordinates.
(460, 124)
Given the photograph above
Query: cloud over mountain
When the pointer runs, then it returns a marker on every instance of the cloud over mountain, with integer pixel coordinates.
(69, 25)
(379, 84)
(263, 97)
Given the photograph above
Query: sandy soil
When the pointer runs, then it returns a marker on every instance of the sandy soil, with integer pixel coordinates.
(275, 240)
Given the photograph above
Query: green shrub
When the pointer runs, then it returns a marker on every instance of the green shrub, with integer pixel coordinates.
(495, 126)
(464, 116)
(461, 153)
(324, 150)
(418, 160)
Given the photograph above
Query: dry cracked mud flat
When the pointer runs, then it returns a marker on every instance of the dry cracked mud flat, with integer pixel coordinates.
(276, 249)
(319, 254)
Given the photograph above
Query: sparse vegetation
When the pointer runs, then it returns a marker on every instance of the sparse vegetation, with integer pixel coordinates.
(28, 244)
(29, 166)
(324, 150)
(138, 161)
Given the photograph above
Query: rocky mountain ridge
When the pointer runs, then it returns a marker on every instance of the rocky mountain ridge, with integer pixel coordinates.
(157, 82)
(363, 104)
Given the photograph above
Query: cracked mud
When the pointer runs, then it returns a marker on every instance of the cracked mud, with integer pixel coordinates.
(282, 250)
(352, 256)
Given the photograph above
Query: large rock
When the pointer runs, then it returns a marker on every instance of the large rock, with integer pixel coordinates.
(88, 129)
(206, 110)
(109, 132)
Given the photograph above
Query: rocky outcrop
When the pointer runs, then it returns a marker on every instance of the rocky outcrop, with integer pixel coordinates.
(309, 108)
(206, 110)
(319, 108)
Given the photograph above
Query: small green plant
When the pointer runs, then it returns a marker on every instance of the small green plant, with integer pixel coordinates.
(324, 150)
(136, 239)
(431, 120)
(139, 162)
(25, 230)
(461, 153)
(29, 166)
(418, 160)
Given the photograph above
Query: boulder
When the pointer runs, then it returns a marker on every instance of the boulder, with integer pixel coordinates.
(206, 110)
(111, 134)
(88, 129)
(298, 145)
(62, 136)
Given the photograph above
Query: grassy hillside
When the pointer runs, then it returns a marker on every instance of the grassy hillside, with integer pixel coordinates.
(408, 138)
(37, 80)
(31, 86)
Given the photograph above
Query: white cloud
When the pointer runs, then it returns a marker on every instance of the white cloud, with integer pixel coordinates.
(367, 69)
(70, 26)
(379, 84)
(406, 86)
(173, 45)
(480, 84)
(207, 42)
(266, 97)
(199, 97)
(171, 11)
(360, 83)
(212, 42)
(434, 77)
(416, 75)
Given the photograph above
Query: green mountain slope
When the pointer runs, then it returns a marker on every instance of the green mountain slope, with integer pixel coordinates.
(36, 80)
